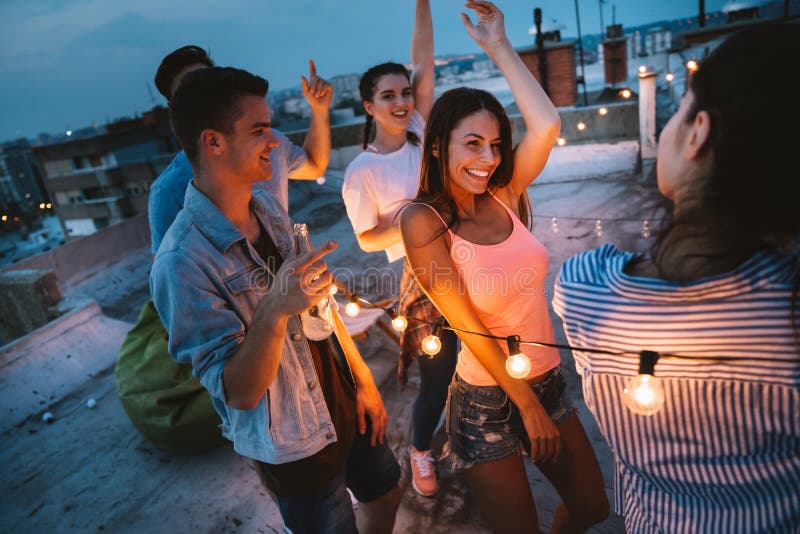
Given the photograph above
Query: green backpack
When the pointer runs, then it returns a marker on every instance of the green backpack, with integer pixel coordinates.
(162, 398)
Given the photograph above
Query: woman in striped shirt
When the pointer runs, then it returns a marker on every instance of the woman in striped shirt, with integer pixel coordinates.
(723, 453)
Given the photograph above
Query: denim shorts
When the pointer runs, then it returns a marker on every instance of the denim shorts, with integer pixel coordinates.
(483, 424)
(371, 472)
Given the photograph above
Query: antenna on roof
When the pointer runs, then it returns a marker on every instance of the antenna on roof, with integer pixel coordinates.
(150, 92)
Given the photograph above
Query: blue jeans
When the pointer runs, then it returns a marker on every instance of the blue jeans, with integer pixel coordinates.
(483, 424)
(370, 473)
(435, 376)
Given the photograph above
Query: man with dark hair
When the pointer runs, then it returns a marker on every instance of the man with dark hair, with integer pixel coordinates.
(288, 160)
(230, 288)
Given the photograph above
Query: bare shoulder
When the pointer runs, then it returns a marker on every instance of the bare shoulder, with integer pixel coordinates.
(420, 225)
(508, 196)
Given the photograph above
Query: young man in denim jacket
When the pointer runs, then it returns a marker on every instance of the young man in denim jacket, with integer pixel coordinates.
(289, 161)
(229, 287)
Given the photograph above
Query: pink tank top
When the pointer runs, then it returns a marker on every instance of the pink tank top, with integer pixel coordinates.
(505, 283)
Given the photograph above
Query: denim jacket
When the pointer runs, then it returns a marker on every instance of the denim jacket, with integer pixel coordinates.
(206, 283)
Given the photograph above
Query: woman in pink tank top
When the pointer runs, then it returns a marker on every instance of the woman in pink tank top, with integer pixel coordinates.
(467, 241)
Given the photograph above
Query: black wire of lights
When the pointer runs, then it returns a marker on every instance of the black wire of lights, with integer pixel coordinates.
(643, 394)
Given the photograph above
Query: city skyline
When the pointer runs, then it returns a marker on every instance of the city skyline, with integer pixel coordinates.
(67, 65)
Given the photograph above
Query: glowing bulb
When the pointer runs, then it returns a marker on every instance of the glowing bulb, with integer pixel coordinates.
(333, 290)
(69, 132)
(691, 65)
(669, 76)
(400, 323)
(518, 365)
(4, 218)
(321, 180)
(48, 206)
(603, 111)
(643, 394)
(352, 309)
(431, 345)
(642, 69)
(581, 126)
(625, 93)
(41, 206)
(561, 141)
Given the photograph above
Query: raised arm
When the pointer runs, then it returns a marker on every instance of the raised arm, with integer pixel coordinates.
(318, 92)
(422, 80)
(429, 257)
(542, 123)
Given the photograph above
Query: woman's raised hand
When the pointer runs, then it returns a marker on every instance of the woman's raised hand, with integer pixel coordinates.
(490, 28)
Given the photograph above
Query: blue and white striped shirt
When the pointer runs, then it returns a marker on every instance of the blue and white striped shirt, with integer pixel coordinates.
(723, 454)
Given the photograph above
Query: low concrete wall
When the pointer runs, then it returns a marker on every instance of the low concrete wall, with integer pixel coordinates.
(78, 259)
(620, 123)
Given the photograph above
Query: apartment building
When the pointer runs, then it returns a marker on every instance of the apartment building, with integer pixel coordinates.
(100, 176)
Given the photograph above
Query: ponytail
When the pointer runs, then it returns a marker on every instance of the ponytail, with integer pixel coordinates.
(367, 130)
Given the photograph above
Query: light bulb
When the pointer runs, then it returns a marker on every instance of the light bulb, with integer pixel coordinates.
(642, 69)
(431, 345)
(669, 76)
(691, 65)
(581, 126)
(625, 93)
(561, 141)
(352, 308)
(333, 290)
(643, 394)
(603, 111)
(399, 322)
(321, 180)
(518, 365)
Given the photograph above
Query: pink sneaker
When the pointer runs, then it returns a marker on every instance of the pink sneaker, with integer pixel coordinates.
(423, 477)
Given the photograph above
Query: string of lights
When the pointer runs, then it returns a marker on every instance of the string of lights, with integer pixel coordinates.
(598, 223)
(642, 394)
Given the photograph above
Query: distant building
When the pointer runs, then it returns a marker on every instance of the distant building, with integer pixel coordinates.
(21, 185)
(296, 108)
(741, 11)
(652, 41)
(101, 177)
(345, 88)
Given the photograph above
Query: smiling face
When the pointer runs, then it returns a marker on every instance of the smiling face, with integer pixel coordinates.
(392, 102)
(250, 144)
(473, 152)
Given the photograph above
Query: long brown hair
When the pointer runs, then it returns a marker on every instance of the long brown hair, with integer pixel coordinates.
(749, 200)
(447, 112)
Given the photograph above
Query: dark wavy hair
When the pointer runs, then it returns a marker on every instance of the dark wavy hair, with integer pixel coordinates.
(447, 112)
(174, 62)
(749, 200)
(366, 88)
(210, 99)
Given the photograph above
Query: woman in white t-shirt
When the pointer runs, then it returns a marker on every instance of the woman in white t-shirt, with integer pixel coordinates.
(377, 183)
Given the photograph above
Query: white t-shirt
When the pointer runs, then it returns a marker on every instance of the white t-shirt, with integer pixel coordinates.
(376, 185)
